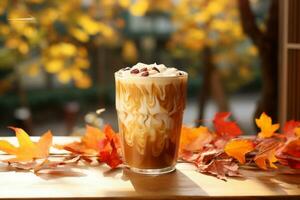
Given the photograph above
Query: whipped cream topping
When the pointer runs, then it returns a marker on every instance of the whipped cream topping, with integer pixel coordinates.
(151, 70)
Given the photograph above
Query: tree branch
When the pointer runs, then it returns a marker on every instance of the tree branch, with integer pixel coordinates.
(248, 22)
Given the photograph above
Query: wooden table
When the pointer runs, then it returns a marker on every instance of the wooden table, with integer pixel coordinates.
(185, 183)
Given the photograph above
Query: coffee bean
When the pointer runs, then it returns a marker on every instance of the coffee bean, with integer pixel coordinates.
(134, 71)
(144, 69)
(145, 74)
(154, 68)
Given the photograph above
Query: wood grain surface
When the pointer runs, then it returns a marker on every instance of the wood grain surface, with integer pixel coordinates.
(185, 183)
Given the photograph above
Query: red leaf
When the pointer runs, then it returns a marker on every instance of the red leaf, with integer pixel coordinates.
(290, 154)
(289, 128)
(225, 128)
(110, 148)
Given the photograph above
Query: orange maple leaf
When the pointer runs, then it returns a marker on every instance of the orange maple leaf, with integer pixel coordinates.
(193, 139)
(238, 148)
(266, 153)
(89, 144)
(266, 126)
(92, 137)
(27, 150)
(297, 132)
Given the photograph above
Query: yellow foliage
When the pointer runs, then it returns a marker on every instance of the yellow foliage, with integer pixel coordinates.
(129, 51)
(62, 49)
(54, 66)
(214, 7)
(88, 24)
(83, 82)
(33, 69)
(139, 8)
(48, 17)
(64, 76)
(124, 3)
(79, 34)
(252, 50)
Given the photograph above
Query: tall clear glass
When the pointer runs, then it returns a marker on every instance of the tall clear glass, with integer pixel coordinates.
(150, 111)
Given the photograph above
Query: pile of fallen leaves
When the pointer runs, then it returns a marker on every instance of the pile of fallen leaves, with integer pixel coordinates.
(95, 147)
(219, 152)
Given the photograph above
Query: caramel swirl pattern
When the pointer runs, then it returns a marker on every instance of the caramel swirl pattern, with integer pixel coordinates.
(149, 111)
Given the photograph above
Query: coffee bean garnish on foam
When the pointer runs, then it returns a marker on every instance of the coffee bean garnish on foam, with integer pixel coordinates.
(154, 68)
(145, 74)
(144, 69)
(134, 71)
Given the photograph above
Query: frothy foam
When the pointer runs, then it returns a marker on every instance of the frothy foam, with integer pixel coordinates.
(151, 70)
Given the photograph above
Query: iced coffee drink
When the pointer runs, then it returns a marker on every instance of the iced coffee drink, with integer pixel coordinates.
(150, 100)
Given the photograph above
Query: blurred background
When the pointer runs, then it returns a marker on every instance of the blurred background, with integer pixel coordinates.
(57, 58)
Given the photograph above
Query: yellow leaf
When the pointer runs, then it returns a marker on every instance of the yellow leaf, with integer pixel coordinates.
(23, 138)
(23, 48)
(62, 49)
(139, 8)
(82, 63)
(80, 35)
(261, 160)
(54, 66)
(7, 147)
(124, 3)
(27, 149)
(106, 30)
(64, 76)
(213, 7)
(129, 51)
(238, 148)
(84, 82)
(88, 24)
(67, 49)
(266, 126)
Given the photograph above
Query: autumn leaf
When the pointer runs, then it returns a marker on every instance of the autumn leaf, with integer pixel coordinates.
(92, 137)
(89, 144)
(266, 126)
(290, 154)
(238, 148)
(297, 132)
(27, 149)
(290, 129)
(220, 168)
(217, 163)
(110, 148)
(193, 139)
(224, 127)
(266, 151)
